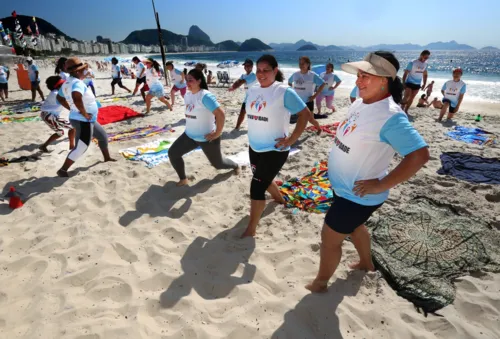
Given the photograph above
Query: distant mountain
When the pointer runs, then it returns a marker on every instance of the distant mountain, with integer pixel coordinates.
(333, 48)
(238, 42)
(44, 27)
(308, 48)
(490, 49)
(228, 45)
(396, 47)
(197, 33)
(451, 45)
(252, 45)
(292, 46)
(150, 37)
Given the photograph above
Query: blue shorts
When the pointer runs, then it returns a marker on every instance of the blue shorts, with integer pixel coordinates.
(156, 92)
(344, 216)
(35, 84)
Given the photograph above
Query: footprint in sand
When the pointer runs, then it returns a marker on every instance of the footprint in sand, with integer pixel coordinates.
(125, 253)
(495, 197)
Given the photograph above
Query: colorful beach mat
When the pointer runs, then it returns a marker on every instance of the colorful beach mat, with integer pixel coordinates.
(137, 133)
(423, 246)
(8, 120)
(471, 168)
(153, 153)
(22, 108)
(114, 113)
(472, 135)
(329, 129)
(243, 158)
(312, 192)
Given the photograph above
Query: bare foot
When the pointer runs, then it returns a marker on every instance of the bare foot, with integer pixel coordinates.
(182, 182)
(62, 173)
(71, 147)
(237, 170)
(44, 149)
(109, 159)
(280, 201)
(362, 267)
(248, 233)
(317, 286)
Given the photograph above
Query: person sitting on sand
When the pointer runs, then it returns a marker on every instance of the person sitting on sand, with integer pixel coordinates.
(204, 124)
(415, 71)
(75, 96)
(248, 79)
(436, 103)
(178, 80)
(154, 84)
(453, 92)
(51, 114)
(34, 76)
(354, 94)
(422, 102)
(117, 77)
(210, 79)
(304, 82)
(60, 70)
(4, 82)
(269, 104)
(429, 89)
(332, 81)
(140, 72)
(358, 166)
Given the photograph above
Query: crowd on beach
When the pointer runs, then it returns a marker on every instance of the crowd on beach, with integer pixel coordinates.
(374, 130)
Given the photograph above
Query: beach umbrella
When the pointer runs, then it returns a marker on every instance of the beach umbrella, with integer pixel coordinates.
(228, 64)
(318, 69)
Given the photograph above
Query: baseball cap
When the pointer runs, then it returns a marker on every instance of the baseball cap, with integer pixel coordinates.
(248, 62)
(371, 64)
(30, 59)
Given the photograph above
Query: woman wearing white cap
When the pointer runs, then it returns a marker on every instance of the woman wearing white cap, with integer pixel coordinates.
(375, 128)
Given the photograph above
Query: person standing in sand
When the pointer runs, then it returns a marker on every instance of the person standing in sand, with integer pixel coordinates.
(204, 124)
(154, 84)
(34, 76)
(178, 79)
(429, 89)
(4, 82)
(51, 114)
(366, 141)
(332, 81)
(140, 73)
(453, 92)
(75, 96)
(248, 79)
(269, 105)
(117, 76)
(304, 83)
(60, 68)
(415, 71)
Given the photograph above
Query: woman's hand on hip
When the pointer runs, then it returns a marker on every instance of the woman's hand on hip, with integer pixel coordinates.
(364, 187)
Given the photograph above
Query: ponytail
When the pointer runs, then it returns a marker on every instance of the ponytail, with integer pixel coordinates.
(198, 75)
(60, 65)
(395, 85)
(271, 61)
(155, 64)
(279, 76)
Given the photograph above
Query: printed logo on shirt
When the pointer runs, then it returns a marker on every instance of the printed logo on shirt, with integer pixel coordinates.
(420, 69)
(190, 107)
(191, 116)
(257, 117)
(452, 91)
(300, 81)
(258, 103)
(348, 126)
(341, 145)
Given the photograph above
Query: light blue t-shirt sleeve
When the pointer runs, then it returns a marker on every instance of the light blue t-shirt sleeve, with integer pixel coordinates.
(444, 87)
(317, 80)
(246, 97)
(210, 102)
(353, 92)
(463, 89)
(409, 66)
(336, 78)
(251, 78)
(79, 87)
(60, 93)
(290, 80)
(401, 135)
(293, 103)
(35, 68)
(178, 71)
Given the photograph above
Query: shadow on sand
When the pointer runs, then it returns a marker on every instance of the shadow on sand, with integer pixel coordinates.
(315, 315)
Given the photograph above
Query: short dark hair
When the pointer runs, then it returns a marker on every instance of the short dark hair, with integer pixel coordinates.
(114, 61)
(52, 81)
(169, 63)
(425, 52)
(198, 75)
(136, 59)
(423, 96)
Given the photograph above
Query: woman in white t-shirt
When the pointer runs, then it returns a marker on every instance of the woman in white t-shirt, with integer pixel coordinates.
(269, 104)
(154, 84)
(358, 167)
(61, 68)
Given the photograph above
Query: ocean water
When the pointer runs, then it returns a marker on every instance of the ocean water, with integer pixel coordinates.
(481, 69)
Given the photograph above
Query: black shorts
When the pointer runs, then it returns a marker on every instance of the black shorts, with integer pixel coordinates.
(413, 86)
(35, 84)
(243, 107)
(310, 105)
(344, 216)
(117, 81)
(139, 81)
(4, 86)
(450, 109)
(265, 166)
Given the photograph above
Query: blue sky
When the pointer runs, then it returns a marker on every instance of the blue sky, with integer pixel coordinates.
(353, 22)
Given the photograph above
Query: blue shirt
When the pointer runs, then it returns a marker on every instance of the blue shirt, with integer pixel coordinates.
(250, 79)
(452, 91)
(88, 99)
(355, 92)
(3, 74)
(140, 66)
(416, 69)
(116, 71)
(32, 69)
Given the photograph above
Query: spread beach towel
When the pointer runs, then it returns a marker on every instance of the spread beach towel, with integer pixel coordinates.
(137, 133)
(153, 153)
(312, 192)
(471, 168)
(472, 135)
(330, 129)
(20, 109)
(8, 120)
(114, 113)
(421, 247)
(243, 158)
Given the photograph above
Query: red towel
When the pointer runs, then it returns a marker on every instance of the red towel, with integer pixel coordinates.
(115, 113)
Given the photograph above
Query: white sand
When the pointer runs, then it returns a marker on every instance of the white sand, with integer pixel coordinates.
(91, 256)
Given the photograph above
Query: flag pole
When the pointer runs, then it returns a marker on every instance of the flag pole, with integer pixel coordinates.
(160, 39)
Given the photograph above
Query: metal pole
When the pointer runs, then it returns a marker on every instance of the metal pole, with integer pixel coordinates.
(160, 39)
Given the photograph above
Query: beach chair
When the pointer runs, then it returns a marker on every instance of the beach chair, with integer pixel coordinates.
(225, 78)
(219, 78)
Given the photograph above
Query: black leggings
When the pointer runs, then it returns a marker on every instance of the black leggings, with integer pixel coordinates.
(85, 131)
(265, 167)
(117, 81)
(185, 144)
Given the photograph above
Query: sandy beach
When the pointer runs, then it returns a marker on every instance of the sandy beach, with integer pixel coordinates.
(118, 251)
